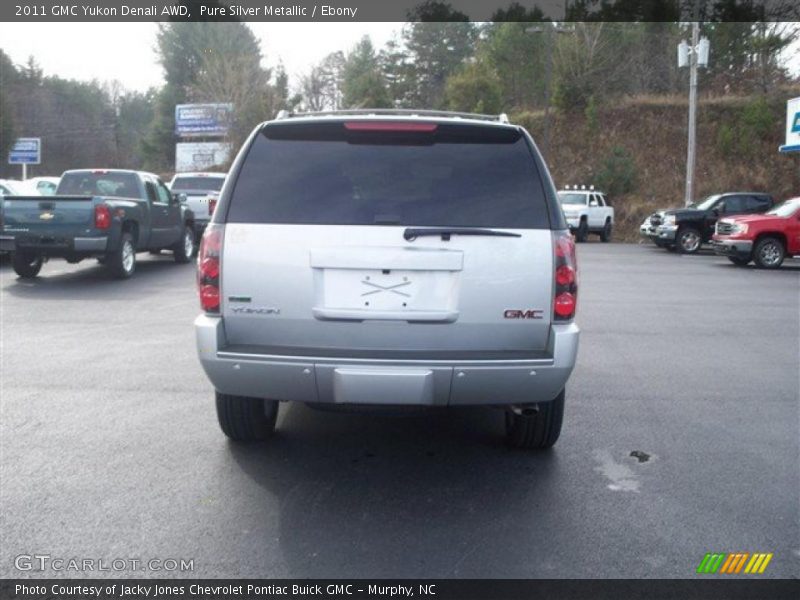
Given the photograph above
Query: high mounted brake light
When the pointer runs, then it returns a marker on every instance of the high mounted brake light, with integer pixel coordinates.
(389, 126)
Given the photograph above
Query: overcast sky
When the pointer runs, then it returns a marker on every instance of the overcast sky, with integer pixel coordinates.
(125, 51)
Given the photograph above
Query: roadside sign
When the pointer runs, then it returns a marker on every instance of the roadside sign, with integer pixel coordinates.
(792, 126)
(26, 151)
(199, 156)
(203, 120)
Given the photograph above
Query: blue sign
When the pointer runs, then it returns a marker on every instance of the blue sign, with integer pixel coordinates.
(26, 151)
(796, 126)
(203, 120)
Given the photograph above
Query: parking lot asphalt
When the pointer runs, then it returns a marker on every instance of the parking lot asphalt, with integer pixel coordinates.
(109, 446)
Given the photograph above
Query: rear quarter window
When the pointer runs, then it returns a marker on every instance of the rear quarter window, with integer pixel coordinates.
(457, 175)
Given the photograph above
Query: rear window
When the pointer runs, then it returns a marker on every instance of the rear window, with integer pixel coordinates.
(455, 176)
(87, 183)
(197, 184)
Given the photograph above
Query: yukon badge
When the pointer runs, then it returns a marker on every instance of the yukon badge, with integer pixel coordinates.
(515, 313)
(46, 216)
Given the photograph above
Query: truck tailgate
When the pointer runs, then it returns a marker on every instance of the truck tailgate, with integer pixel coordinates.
(48, 215)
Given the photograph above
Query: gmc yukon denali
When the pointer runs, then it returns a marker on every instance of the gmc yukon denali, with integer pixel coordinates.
(108, 214)
(388, 258)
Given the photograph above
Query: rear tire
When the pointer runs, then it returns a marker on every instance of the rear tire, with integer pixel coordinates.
(121, 262)
(605, 235)
(184, 249)
(538, 431)
(739, 262)
(27, 265)
(583, 231)
(245, 419)
(769, 253)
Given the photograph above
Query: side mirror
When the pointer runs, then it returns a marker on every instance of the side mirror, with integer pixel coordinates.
(592, 202)
(179, 198)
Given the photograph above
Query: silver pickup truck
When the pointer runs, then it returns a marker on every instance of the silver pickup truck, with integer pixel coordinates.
(389, 258)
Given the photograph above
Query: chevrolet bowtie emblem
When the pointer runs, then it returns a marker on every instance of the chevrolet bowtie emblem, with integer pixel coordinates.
(46, 216)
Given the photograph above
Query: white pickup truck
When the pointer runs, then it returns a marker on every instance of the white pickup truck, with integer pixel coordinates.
(587, 211)
(202, 191)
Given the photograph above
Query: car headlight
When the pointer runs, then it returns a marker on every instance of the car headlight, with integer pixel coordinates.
(669, 220)
(739, 228)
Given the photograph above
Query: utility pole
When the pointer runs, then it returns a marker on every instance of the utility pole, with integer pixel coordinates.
(694, 55)
(689, 197)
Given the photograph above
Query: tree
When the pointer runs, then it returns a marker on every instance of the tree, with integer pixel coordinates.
(438, 41)
(519, 59)
(474, 88)
(8, 75)
(211, 62)
(362, 81)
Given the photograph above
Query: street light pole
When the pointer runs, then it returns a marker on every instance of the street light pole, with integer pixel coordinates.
(690, 152)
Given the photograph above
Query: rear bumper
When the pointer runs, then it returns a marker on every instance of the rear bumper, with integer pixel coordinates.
(387, 382)
(54, 246)
(735, 248)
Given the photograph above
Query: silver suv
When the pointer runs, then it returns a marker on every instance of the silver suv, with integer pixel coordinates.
(388, 258)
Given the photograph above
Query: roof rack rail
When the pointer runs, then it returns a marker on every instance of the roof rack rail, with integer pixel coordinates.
(407, 112)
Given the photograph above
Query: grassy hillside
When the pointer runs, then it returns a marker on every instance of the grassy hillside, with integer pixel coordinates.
(636, 150)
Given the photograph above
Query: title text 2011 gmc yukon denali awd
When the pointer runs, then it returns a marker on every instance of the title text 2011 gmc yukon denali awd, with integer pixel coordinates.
(388, 259)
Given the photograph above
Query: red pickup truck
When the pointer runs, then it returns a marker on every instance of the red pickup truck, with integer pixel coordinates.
(765, 239)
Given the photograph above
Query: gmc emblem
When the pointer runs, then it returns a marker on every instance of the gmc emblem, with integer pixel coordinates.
(513, 313)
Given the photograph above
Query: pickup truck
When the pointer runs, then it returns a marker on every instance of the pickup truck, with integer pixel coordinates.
(108, 214)
(687, 229)
(765, 239)
(587, 211)
(202, 192)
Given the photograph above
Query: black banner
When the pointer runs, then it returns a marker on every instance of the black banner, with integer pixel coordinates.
(363, 589)
(396, 10)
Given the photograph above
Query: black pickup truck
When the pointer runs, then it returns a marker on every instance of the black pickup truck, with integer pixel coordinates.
(108, 214)
(687, 229)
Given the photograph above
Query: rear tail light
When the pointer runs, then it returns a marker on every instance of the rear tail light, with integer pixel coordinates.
(102, 217)
(212, 204)
(208, 268)
(565, 295)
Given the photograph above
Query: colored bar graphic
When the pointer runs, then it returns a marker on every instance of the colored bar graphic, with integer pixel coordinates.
(733, 562)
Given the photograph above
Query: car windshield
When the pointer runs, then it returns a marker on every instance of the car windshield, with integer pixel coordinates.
(197, 184)
(707, 203)
(785, 209)
(567, 198)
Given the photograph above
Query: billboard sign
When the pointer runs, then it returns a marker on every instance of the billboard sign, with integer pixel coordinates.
(203, 120)
(792, 126)
(199, 156)
(26, 151)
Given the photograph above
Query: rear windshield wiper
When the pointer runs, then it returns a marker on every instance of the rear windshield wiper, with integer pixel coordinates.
(412, 233)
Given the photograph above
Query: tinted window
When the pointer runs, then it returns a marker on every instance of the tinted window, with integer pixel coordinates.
(197, 184)
(457, 175)
(567, 198)
(757, 203)
(151, 191)
(88, 183)
(734, 204)
(163, 193)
